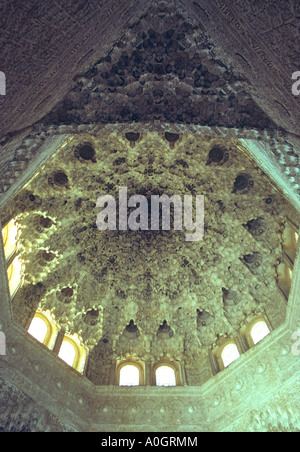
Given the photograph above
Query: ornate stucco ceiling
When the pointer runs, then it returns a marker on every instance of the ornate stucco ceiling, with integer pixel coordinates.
(95, 282)
(169, 63)
(216, 71)
(162, 69)
(53, 44)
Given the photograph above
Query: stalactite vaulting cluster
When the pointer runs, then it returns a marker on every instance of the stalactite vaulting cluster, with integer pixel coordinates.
(179, 295)
(161, 69)
(164, 69)
(161, 98)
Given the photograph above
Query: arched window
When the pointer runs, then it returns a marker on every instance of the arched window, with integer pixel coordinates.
(129, 375)
(130, 371)
(230, 354)
(290, 239)
(73, 353)
(290, 242)
(10, 235)
(166, 372)
(225, 352)
(259, 331)
(68, 352)
(284, 278)
(15, 274)
(165, 376)
(38, 329)
(254, 330)
(43, 329)
(14, 269)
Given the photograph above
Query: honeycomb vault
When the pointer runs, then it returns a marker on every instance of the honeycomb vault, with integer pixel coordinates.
(177, 97)
(96, 282)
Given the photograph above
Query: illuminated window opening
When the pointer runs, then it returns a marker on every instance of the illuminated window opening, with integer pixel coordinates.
(284, 278)
(129, 376)
(38, 329)
(10, 235)
(70, 350)
(43, 330)
(259, 331)
(165, 376)
(254, 330)
(230, 354)
(15, 273)
(73, 353)
(67, 352)
(290, 242)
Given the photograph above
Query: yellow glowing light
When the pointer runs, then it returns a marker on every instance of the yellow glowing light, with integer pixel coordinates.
(10, 234)
(15, 275)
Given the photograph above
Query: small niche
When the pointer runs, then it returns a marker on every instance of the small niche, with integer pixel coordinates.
(204, 318)
(171, 137)
(243, 183)
(92, 317)
(46, 223)
(218, 155)
(256, 227)
(132, 136)
(60, 179)
(131, 331)
(165, 331)
(230, 297)
(86, 152)
(253, 261)
(48, 257)
(67, 292)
